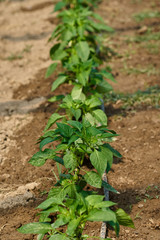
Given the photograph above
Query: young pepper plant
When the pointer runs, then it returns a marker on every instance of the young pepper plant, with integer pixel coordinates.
(74, 213)
(77, 45)
(78, 141)
(68, 206)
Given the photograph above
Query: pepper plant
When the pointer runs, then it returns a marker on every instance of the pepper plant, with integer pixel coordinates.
(76, 47)
(79, 144)
(79, 141)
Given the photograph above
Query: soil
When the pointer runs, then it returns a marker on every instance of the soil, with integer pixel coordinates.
(24, 111)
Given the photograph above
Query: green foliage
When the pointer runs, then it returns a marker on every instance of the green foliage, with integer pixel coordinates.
(144, 15)
(81, 136)
(75, 212)
(149, 70)
(148, 97)
(77, 48)
(13, 57)
(153, 48)
(51, 69)
(69, 3)
(149, 36)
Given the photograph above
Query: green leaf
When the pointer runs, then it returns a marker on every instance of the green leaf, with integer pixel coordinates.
(108, 75)
(101, 26)
(55, 192)
(44, 217)
(93, 102)
(100, 116)
(72, 226)
(56, 31)
(75, 124)
(68, 101)
(124, 219)
(104, 204)
(70, 190)
(45, 141)
(50, 70)
(61, 147)
(76, 113)
(101, 215)
(94, 199)
(99, 159)
(88, 117)
(93, 179)
(40, 236)
(59, 6)
(58, 160)
(114, 151)
(40, 157)
(82, 50)
(97, 16)
(104, 87)
(107, 28)
(93, 131)
(109, 157)
(109, 136)
(109, 187)
(116, 227)
(65, 129)
(76, 92)
(61, 79)
(49, 202)
(54, 49)
(72, 139)
(57, 52)
(59, 237)
(35, 228)
(70, 160)
(80, 30)
(56, 98)
(82, 78)
(50, 210)
(62, 220)
(54, 117)
(67, 35)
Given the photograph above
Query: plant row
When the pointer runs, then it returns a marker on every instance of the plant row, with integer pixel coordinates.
(80, 139)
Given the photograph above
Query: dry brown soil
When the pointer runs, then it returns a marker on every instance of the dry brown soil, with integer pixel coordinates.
(25, 27)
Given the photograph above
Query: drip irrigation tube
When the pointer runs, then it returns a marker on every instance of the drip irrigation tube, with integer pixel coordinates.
(103, 232)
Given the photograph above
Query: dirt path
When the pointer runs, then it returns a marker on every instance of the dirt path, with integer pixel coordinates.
(25, 27)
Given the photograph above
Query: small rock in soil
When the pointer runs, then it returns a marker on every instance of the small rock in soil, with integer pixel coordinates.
(142, 30)
(140, 205)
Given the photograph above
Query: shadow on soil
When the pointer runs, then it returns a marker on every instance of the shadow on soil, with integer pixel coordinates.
(26, 37)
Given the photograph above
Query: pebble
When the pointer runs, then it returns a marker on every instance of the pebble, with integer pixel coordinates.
(140, 205)
(142, 30)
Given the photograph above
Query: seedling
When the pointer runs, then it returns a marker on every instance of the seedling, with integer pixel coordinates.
(138, 215)
(14, 56)
(27, 48)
